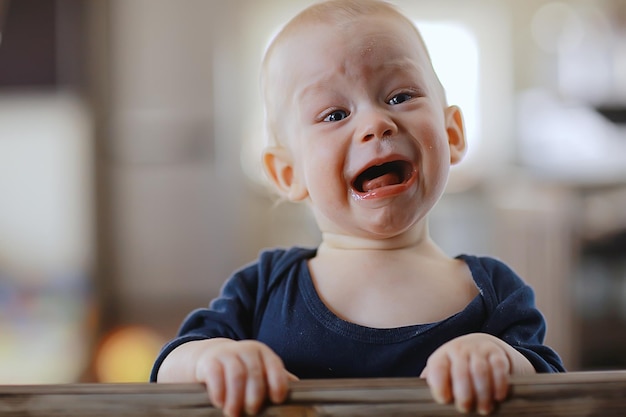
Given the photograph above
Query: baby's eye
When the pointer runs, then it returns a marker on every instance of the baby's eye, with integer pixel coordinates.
(336, 116)
(400, 98)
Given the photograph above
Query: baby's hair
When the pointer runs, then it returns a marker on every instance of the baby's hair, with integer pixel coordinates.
(329, 12)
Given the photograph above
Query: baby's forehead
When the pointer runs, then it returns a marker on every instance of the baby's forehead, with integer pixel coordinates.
(322, 46)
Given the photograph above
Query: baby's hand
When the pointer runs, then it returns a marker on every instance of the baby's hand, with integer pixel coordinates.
(473, 371)
(240, 375)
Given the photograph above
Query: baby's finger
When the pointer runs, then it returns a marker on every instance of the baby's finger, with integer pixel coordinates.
(462, 387)
(215, 383)
(437, 375)
(500, 369)
(236, 376)
(277, 377)
(483, 385)
(256, 386)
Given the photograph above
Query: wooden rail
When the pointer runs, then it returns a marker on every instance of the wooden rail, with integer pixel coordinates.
(587, 394)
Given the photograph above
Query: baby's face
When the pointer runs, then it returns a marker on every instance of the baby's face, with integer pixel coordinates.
(363, 115)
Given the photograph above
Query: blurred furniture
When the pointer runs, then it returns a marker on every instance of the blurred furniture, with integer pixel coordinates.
(568, 241)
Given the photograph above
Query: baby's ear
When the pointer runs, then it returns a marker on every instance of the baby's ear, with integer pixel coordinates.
(456, 133)
(278, 164)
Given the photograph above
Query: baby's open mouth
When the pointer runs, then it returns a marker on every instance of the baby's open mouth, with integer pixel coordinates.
(389, 173)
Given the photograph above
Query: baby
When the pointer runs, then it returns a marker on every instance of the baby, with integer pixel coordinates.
(361, 132)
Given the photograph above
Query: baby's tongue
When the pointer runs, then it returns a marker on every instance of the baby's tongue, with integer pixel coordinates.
(390, 178)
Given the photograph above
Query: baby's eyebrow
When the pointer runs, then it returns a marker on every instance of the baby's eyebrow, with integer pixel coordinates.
(317, 86)
(405, 64)
(324, 82)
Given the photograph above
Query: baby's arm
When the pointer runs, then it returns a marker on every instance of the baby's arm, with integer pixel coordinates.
(473, 371)
(239, 375)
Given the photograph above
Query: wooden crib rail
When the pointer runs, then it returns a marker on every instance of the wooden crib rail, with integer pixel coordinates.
(556, 395)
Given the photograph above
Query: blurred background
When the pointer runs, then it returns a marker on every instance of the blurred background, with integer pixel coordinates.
(130, 184)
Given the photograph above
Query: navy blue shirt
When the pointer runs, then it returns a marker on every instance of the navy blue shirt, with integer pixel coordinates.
(275, 302)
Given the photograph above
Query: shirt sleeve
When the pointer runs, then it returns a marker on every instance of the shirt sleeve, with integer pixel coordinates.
(229, 315)
(517, 321)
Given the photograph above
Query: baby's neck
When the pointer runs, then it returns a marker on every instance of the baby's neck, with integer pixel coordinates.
(412, 240)
(389, 283)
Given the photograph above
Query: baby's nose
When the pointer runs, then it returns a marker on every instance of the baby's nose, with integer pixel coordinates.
(377, 124)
